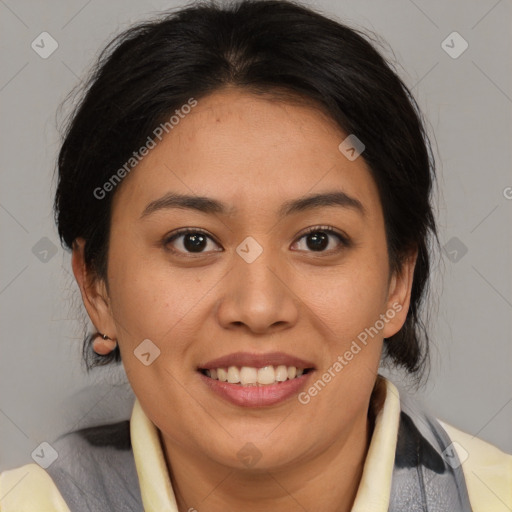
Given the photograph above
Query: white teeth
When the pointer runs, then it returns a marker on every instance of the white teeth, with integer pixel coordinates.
(281, 373)
(266, 375)
(292, 372)
(233, 375)
(251, 376)
(248, 375)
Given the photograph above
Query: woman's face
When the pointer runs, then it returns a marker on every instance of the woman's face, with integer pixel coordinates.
(253, 289)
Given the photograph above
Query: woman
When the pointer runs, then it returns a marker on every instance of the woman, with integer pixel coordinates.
(246, 191)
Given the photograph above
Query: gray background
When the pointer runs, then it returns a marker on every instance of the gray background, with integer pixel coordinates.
(468, 103)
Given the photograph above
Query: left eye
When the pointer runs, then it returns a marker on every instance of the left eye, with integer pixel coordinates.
(317, 239)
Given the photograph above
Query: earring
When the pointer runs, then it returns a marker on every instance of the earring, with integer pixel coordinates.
(103, 345)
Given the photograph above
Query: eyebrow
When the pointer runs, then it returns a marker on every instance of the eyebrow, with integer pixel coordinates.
(210, 205)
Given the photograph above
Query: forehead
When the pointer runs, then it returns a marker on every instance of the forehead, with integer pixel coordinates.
(249, 152)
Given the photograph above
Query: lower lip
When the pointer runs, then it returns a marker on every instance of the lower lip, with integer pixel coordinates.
(257, 396)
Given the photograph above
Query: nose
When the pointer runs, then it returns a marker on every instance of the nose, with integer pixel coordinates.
(258, 297)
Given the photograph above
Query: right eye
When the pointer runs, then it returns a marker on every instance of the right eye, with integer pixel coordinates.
(191, 240)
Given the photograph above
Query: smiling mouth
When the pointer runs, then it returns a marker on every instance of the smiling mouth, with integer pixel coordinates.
(246, 376)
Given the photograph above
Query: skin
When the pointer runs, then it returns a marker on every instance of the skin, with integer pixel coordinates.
(252, 153)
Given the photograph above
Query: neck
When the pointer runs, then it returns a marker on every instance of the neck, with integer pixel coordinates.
(328, 481)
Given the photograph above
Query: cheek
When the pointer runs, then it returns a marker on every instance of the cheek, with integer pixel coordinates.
(152, 300)
(351, 297)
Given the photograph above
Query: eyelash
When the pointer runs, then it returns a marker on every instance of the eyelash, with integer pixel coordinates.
(344, 240)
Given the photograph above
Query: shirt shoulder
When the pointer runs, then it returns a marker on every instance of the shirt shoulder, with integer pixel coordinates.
(93, 469)
(487, 471)
(29, 488)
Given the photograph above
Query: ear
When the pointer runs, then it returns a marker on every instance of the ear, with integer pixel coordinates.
(94, 292)
(399, 295)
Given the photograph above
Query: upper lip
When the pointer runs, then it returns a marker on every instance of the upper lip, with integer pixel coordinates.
(240, 359)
